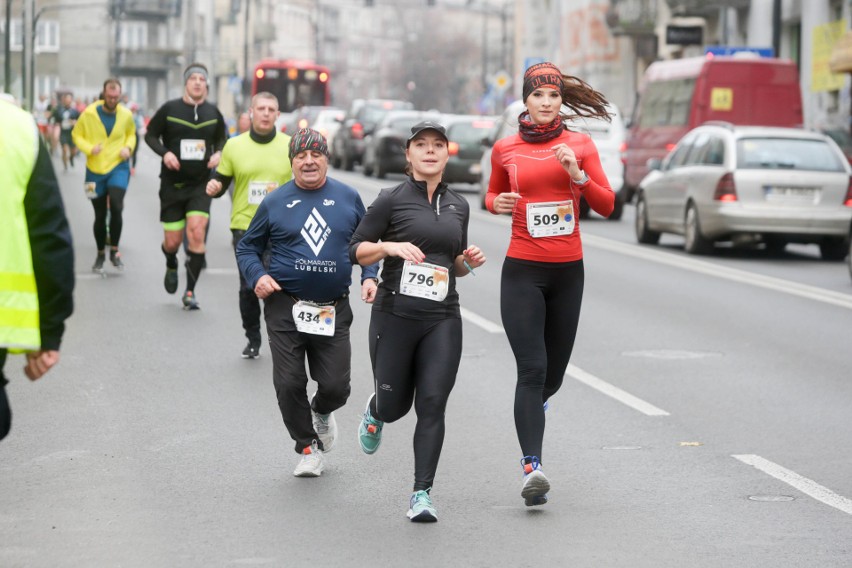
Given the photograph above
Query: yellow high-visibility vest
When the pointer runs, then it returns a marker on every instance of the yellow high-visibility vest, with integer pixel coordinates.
(19, 317)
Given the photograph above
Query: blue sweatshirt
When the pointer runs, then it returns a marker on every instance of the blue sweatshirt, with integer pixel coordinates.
(308, 233)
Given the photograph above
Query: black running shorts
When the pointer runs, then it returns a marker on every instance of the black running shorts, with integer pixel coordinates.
(178, 201)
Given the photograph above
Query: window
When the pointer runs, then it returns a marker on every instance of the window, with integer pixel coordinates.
(666, 103)
(46, 40)
(16, 37)
(679, 154)
(699, 148)
(47, 36)
(133, 35)
(788, 154)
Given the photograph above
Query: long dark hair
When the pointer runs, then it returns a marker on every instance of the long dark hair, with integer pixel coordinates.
(582, 99)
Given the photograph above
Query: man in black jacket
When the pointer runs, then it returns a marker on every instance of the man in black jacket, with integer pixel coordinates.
(189, 133)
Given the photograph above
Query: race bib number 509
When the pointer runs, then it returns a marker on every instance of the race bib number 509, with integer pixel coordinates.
(550, 219)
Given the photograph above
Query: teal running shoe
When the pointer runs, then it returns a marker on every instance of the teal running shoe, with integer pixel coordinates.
(370, 431)
(421, 509)
(536, 485)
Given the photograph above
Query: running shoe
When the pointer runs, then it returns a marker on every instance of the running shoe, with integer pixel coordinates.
(252, 351)
(546, 405)
(189, 301)
(98, 266)
(171, 280)
(370, 431)
(115, 259)
(311, 463)
(536, 485)
(421, 509)
(325, 426)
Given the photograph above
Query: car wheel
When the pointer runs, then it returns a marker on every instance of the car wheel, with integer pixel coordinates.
(694, 241)
(775, 247)
(618, 210)
(643, 234)
(849, 257)
(347, 164)
(833, 249)
(368, 168)
(380, 171)
(584, 209)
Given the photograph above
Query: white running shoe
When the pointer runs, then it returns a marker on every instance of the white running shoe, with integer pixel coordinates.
(536, 485)
(312, 462)
(325, 426)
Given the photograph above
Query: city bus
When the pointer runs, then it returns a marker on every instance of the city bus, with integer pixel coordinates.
(295, 82)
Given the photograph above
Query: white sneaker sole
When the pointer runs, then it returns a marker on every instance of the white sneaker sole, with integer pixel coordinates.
(535, 485)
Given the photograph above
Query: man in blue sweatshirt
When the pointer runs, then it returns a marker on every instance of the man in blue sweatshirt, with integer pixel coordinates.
(307, 224)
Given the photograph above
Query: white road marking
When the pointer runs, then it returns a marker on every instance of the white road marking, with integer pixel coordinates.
(579, 374)
(803, 484)
(614, 392)
(719, 271)
(480, 321)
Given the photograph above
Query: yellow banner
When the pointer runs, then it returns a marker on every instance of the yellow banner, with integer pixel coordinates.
(824, 38)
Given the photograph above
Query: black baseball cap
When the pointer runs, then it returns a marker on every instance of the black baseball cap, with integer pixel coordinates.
(426, 125)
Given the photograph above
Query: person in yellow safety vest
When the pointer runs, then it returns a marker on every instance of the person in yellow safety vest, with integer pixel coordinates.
(36, 253)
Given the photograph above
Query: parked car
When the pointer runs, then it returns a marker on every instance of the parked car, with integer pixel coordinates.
(360, 120)
(327, 123)
(465, 134)
(384, 147)
(678, 95)
(749, 184)
(608, 137)
(286, 122)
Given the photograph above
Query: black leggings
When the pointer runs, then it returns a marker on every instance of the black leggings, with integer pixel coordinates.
(540, 307)
(415, 361)
(116, 206)
(249, 303)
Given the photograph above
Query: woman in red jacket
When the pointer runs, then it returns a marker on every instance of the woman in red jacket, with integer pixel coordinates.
(538, 175)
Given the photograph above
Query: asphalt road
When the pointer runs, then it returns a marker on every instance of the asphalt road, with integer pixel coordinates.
(704, 422)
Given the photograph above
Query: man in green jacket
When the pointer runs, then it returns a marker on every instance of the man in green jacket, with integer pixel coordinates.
(36, 253)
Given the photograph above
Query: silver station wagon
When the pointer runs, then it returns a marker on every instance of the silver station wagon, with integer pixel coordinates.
(749, 185)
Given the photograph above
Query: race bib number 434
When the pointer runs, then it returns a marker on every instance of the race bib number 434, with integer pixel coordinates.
(313, 319)
(550, 219)
(424, 280)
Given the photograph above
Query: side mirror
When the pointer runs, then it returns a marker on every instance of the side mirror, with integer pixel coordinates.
(487, 142)
(654, 164)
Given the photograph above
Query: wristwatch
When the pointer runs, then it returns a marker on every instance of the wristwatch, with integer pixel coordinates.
(583, 180)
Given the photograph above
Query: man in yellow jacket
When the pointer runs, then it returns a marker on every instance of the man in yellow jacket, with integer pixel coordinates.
(106, 133)
(36, 253)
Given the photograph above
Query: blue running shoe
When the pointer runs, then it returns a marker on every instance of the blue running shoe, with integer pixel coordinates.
(370, 431)
(546, 405)
(536, 485)
(189, 301)
(421, 509)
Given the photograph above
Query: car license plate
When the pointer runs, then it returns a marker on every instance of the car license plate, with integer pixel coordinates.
(788, 193)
